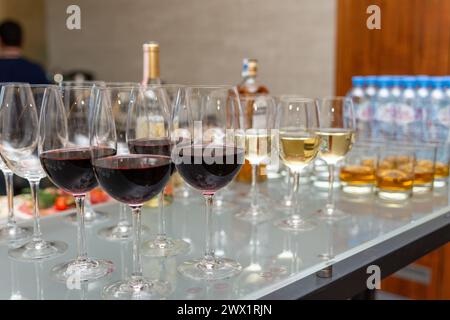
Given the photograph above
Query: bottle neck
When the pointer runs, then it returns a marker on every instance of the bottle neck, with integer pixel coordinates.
(151, 67)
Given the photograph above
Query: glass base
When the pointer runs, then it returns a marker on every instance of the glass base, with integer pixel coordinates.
(440, 183)
(121, 232)
(165, 247)
(14, 235)
(295, 224)
(82, 270)
(394, 196)
(255, 215)
(38, 250)
(357, 189)
(423, 188)
(334, 215)
(201, 269)
(136, 288)
(89, 217)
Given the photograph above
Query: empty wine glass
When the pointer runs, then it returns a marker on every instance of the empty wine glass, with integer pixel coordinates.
(149, 133)
(258, 139)
(19, 133)
(65, 154)
(297, 121)
(132, 179)
(208, 156)
(337, 133)
(11, 233)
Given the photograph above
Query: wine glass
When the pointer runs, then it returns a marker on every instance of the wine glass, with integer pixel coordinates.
(19, 133)
(132, 179)
(297, 121)
(120, 96)
(337, 133)
(149, 133)
(90, 215)
(65, 154)
(208, 156)
(258, 141)
(11, 233)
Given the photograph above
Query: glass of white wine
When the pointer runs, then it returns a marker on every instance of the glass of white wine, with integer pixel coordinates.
(337, 133)
(298, 124)
(258, 141)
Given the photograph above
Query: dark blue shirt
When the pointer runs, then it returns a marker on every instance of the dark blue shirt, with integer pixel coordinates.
(21, 70)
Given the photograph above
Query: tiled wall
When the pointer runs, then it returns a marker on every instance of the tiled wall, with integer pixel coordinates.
(202, 41)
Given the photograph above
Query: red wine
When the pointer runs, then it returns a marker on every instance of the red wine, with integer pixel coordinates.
(133, 179)
(156, 146)
(209, 168)
(161, 146)
(71, 169)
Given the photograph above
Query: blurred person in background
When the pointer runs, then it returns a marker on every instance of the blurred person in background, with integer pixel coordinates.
(13, 66)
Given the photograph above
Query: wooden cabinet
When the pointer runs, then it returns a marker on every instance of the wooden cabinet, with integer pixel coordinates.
(414, 39)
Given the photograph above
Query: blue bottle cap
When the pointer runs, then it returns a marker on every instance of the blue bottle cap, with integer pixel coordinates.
(371, 80)
(423, 81)
(383, 81)
(358, 81)
(447, 82)
(408, 82)
(437, 82)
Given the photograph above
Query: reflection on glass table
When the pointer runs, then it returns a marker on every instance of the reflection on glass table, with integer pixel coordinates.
(270, 258)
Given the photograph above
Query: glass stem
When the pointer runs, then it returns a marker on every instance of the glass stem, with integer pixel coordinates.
(123, 219)
(289, 187)
(137, 264)
(254, 187)
(34, 185)
(162, 220)
(296, 197)
(209, 251)
(330, 204)
(81, 228)
(9, 184)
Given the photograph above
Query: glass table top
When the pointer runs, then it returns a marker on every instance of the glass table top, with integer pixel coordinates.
(271, 258)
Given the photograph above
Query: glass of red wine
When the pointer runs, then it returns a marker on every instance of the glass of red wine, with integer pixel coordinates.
(209, 152)
(65, 154)
(119, 99)
(131, 179)
(20, 105)
(90, 215)
(149, 133)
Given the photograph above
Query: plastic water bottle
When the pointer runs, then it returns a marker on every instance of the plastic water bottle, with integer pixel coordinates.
(423, 102)
(384, 110)
(408, 115)
(362, 108)
(440, 110)
(396, 89)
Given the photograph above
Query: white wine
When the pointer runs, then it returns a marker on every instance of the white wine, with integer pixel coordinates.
(258, 145)
(298, 149)
(335, 144)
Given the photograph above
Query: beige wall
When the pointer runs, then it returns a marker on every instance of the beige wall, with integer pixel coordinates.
(202, 41)
(30, 13)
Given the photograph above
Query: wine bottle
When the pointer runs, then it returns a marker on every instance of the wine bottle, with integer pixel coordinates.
(248, 87)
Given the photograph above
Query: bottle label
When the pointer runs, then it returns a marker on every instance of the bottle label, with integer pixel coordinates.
(385, 112)
(405, 114)
(363, 111)
(443, 116)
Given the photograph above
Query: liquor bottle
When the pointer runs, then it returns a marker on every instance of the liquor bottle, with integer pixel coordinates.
(248, 87)
(151, 76)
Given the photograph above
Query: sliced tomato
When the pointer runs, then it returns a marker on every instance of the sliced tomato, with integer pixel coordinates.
(60, 203)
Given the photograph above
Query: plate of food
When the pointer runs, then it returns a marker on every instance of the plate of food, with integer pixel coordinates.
(51, 201)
